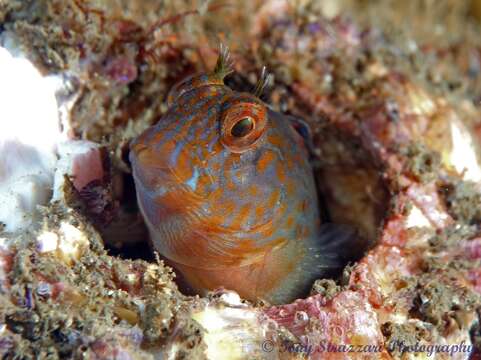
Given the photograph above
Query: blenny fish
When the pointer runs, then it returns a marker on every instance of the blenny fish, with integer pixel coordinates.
(226, 189)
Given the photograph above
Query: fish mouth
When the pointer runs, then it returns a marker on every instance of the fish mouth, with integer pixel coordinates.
(175, 170)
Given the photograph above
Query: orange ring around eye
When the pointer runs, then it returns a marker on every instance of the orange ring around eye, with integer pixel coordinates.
(236, 112)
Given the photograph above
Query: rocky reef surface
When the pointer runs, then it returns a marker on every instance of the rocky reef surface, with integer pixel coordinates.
(392, 94)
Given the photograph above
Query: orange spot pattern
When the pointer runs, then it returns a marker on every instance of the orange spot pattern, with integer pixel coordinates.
(227, 210)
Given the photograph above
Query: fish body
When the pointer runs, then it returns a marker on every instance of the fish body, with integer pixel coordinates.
(228, 194)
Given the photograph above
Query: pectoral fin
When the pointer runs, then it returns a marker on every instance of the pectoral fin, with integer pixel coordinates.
(284, 274)
(323, 256)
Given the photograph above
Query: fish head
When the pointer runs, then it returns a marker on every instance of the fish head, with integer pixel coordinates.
(221, 178)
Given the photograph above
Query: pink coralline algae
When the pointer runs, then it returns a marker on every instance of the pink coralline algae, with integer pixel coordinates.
(346, 320)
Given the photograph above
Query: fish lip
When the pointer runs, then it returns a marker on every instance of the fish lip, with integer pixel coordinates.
(171, 176)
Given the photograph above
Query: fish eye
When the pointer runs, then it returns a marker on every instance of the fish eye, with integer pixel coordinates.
(243, 122)
(243, 127)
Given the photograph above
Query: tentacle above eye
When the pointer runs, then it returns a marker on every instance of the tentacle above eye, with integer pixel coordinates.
(216, 77)
(264, 81)
(224, 65)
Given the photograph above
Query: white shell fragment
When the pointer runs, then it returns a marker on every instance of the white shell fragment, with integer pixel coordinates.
(463, 155)
(29, 130)
(233, 329)
(36, 153)
(68, 241)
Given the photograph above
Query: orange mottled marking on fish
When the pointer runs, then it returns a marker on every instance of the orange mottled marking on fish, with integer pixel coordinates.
(242, 216)
(259, 210)
(199, 132)
(215, 167)
(184, 169)
(304, 205)
(276, 140)
(290, 188)
(274, 198)
(267, 231)
(266, 159)
(267, 274)
(246, 247)
(227, 206)
(281, 173)
(215, 195)
(253, 191)
(290, 163)
(290, 222)
(230, 184)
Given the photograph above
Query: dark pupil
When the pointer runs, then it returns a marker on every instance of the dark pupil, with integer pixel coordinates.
(242, 127)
